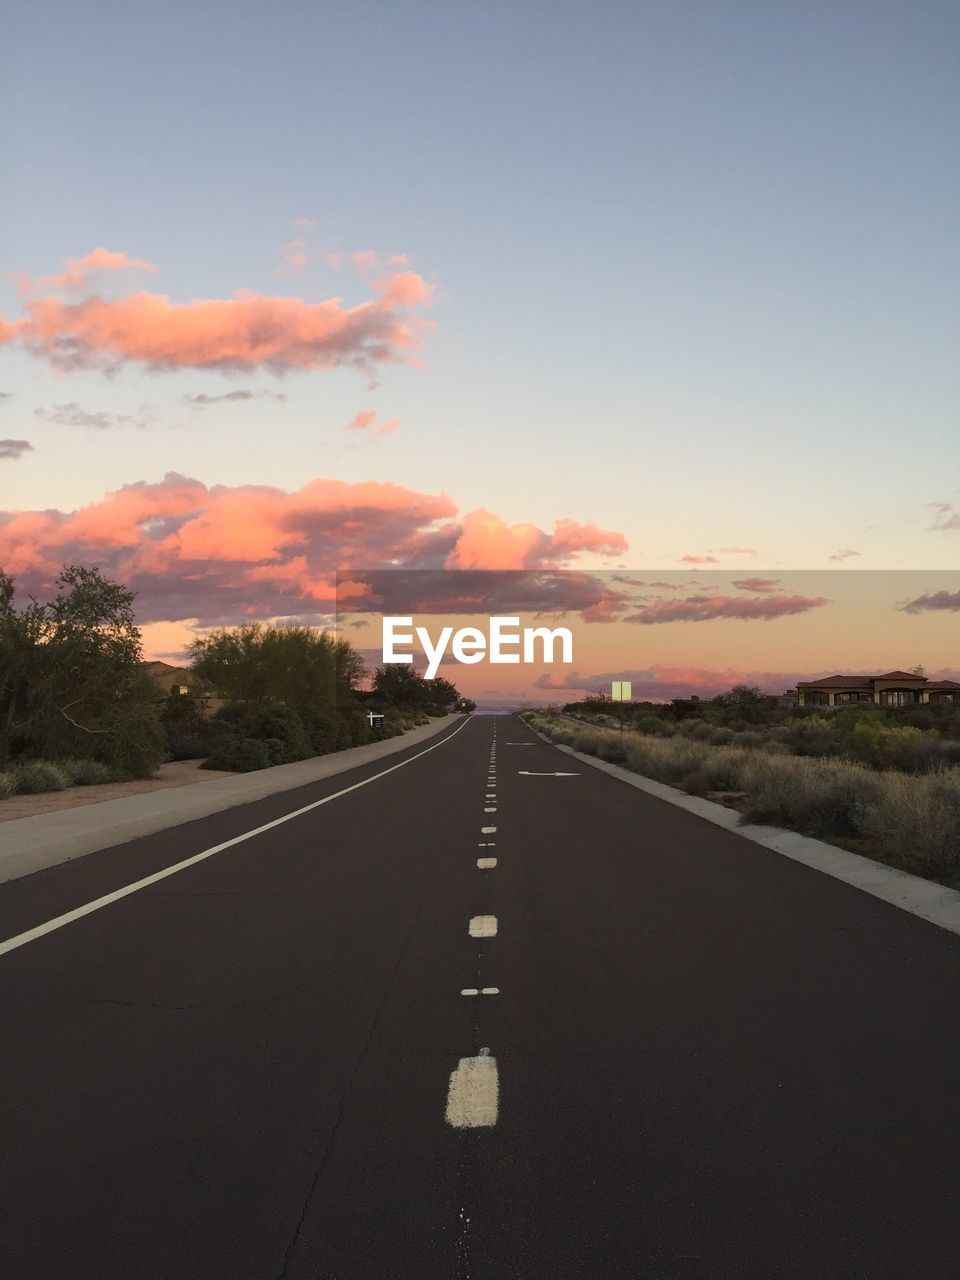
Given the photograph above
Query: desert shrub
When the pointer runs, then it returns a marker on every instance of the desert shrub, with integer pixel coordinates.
(885, 747)
(722, 736)
(88, 773)
(651, 724)
(916, 820)
(695, 783)
(279, 729)
(36, 776)
(818, 797)
(8, 784)
(186, 747)
(241, 755)
(810, 735)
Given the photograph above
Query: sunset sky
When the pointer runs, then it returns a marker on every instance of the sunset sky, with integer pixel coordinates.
(659, 288)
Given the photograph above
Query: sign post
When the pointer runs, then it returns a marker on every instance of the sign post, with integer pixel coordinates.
(621, 691)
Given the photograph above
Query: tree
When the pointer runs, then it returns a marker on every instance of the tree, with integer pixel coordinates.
(71, 677)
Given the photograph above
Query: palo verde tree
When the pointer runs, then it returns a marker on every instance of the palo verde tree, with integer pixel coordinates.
(71, 678)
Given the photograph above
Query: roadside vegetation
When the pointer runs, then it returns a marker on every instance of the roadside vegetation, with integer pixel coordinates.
(78, 707)
(858, 777)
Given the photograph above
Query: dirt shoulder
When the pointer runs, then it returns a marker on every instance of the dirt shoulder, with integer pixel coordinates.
(179, 773)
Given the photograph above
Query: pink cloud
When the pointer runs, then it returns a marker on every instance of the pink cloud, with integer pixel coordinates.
(844, 554)
(224, 553)
(943, 601)
(15, 448)
(738, 551)
(488, 542)
(294, 254)
(367, 421)
(77, 271)
(699, 560)
(708, 608)
(243, 332)
(405, 289)
(946, 518)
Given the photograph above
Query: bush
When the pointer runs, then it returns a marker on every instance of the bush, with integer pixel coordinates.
(186, 747)
(916, 821)
(651, 724)
(8, 784)
(89, 773)
(280, 730)
(239, 755)
(37, 776)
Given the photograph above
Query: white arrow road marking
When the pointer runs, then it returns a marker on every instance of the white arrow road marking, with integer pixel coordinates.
(483, 927)
(525, 773)
(473, 1097)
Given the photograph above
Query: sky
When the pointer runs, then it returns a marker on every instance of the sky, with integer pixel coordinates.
(288, 289)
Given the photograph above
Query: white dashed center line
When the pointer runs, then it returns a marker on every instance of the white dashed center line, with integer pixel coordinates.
(486, 864)
(473, 1097)
(483, 927)
(488, 831)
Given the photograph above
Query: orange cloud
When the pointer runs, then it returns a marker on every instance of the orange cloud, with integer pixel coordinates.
(224, 553)
(77, 271)
(243, 332)
(487, 542)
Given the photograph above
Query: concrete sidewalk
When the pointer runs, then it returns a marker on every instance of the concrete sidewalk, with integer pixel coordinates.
(30, 844)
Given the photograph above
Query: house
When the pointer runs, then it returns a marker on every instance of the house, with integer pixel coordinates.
(893, 689)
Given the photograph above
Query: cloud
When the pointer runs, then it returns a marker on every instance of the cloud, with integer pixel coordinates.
(367, 421)
(204, 401)
(946, 518)
(72, 415)
(661, 682)
(762, 585)
(844, 554)
(710, 608)
(222, 554)
(15, 448)
(294, 255)
(699, 560)
(5, 395)
(946, 601)
(738, 551)
(77, 272)
(243, 332)
(488, 542)
(304, 224)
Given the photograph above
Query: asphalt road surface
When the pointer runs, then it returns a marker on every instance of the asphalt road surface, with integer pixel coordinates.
(686, 1056)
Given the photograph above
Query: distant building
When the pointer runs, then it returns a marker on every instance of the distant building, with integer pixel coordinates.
(169, 678)
(894, 689)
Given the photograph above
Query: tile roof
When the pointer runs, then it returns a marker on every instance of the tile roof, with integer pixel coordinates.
(837, 682)
(899, 675)
(943, 686)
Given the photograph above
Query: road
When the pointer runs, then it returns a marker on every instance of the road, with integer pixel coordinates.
(702, 1060)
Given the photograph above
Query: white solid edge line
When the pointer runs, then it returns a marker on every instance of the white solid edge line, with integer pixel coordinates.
(473, 1095)
(924, 899)
(58, 922)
